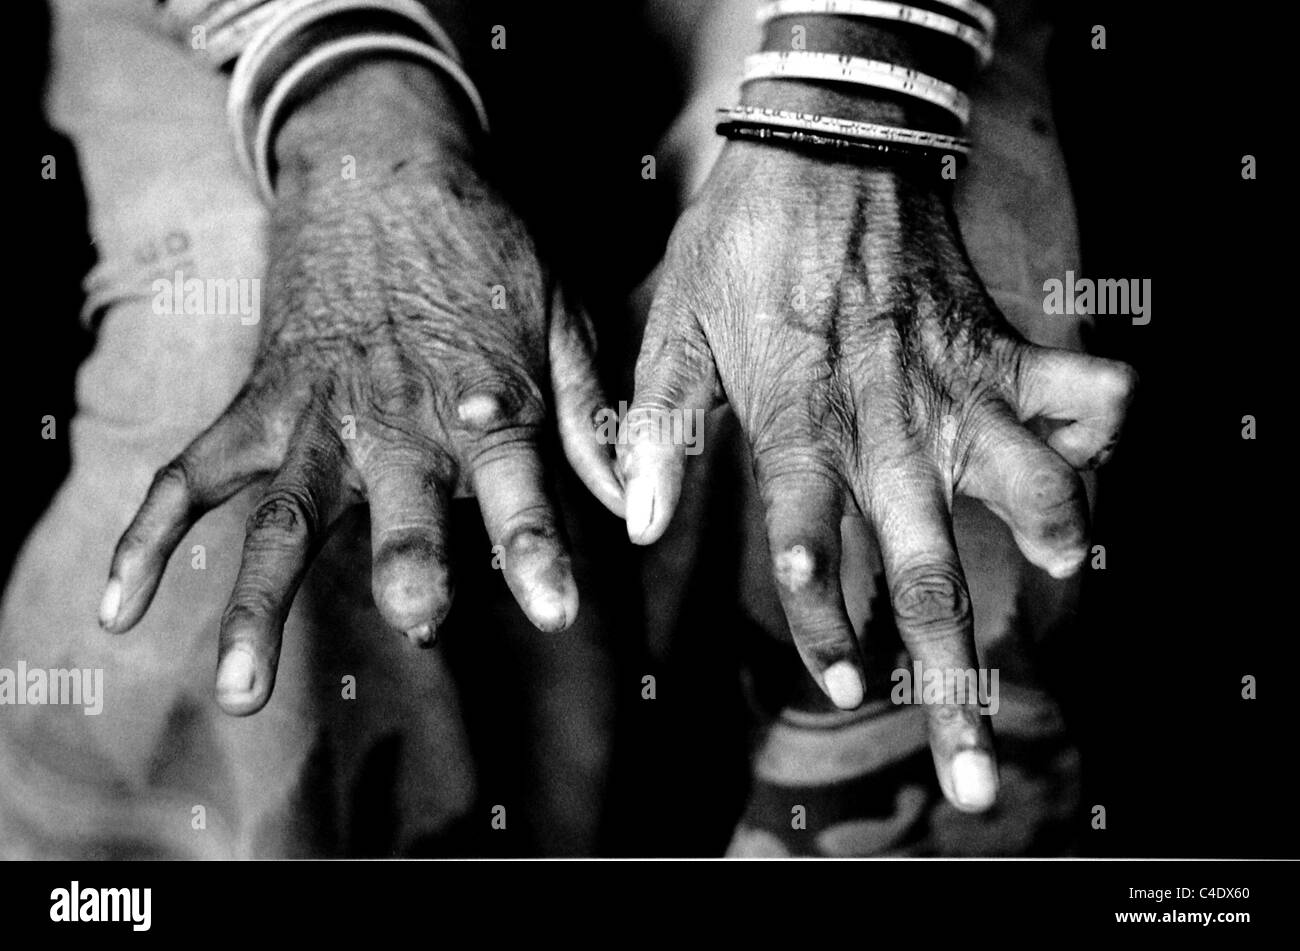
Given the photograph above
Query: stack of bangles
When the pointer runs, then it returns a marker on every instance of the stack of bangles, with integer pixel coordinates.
(281, 46)
(971, 24)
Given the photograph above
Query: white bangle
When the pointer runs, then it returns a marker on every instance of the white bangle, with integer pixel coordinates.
(829, 67)
(883, 10)
(336, 49)
(976, 11)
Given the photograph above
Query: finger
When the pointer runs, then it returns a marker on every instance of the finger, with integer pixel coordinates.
(1031, 488)
(284, 529)
(579, 401)
(221, 460)
(933, 614)
(1088, 395)
(676, 384)
(803, 512)
(409, 493)
(508, 476)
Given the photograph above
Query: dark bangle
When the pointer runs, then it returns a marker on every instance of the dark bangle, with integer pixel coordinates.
(823, 132)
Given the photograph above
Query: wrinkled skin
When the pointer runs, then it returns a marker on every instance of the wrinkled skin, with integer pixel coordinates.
(833, 306)
(412, 350)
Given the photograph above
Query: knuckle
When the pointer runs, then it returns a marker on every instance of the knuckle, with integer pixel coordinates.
(826, 641)
(785, 467)
(245, 613)
(176, 476)
(397, 396)
(931, 601)
(533, 532)
(286, 512)
(1049, 490)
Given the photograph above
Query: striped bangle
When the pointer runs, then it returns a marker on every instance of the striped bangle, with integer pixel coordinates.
(762, 133)
(830, 67)
(845, 129)
(883, 10)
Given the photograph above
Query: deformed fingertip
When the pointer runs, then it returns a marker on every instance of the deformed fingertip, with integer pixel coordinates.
(422, 635)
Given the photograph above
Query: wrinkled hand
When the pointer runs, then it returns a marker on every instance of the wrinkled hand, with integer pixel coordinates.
(834, 307)
(410, 341)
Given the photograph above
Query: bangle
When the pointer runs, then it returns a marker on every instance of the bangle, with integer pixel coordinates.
(229, 26)
(848, 130)
(761, 133)
(830, 67)
(328, 53)
(976, 11)
(883, 10)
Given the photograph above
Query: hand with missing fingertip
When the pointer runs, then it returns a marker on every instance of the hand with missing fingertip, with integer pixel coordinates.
(411, 351)
(833, 306)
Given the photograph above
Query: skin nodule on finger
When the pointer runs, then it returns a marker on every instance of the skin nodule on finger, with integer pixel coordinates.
(479, 411)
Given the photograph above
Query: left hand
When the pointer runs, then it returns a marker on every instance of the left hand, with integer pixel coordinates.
(833, 305)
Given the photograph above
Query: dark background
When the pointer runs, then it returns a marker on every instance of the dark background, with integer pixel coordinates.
(1154, 129)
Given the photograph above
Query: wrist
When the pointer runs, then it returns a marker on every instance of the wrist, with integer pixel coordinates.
(383, 110)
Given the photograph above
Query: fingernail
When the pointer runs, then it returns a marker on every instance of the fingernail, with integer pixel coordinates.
(237, 673)
(111, 603)
(421, 636)
(640, 507)
(551, 610)
(844, 685)
(974, 779)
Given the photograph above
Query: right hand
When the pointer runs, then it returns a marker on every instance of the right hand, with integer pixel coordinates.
(384, 373)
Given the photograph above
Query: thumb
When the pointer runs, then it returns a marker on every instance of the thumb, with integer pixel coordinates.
(676, 384)
(579, 399)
